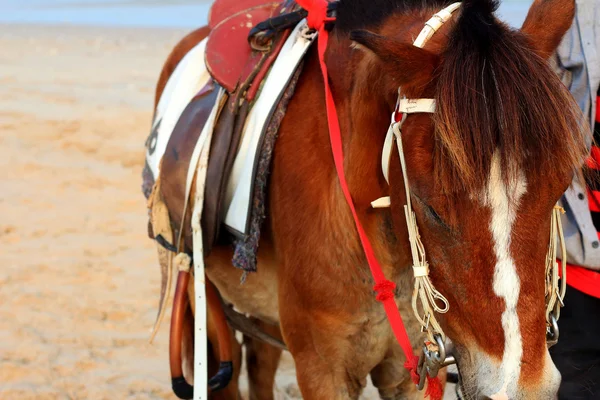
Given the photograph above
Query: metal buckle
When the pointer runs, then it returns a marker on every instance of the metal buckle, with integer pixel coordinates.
(262, 41)
(431, 361)
(552, 332)
(307, 33)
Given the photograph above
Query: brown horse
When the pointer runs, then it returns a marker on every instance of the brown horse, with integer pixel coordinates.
(485, 172)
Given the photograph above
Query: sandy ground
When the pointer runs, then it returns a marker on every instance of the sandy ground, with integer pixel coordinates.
(79, 278)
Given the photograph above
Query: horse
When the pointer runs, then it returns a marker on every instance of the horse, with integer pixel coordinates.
(483, 172)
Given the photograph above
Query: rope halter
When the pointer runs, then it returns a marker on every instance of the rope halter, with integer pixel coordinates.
(426, 299)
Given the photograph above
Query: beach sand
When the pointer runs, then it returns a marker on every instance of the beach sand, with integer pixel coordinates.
(79, 279)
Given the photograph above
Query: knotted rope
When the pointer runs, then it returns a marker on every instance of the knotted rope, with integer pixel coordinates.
(555, 290)
(424, 291)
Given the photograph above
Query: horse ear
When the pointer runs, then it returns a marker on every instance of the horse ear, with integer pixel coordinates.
(546, 23)
(403, 61)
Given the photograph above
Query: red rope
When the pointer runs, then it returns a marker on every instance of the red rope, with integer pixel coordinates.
(317, 17)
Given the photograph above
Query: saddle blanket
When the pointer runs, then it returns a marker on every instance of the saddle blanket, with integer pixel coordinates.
(189, 77)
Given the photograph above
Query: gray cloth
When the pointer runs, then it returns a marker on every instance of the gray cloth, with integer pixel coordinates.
(577, 62)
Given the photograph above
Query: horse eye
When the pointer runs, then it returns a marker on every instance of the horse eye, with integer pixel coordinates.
(431, 213)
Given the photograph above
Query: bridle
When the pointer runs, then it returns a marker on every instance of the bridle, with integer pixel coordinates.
(425, 296)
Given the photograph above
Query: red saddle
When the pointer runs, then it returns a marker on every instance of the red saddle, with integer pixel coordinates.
(224, 9)
(239, 68)
(229, 57)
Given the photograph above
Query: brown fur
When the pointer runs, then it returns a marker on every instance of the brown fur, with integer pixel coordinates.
(512, 103)
(545, 37)
(262, 361)
(312, 276)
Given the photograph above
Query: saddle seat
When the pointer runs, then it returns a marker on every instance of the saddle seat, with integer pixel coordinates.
(224, 9)
(229, 58)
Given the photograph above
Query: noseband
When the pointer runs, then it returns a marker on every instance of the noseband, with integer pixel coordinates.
(425, 297)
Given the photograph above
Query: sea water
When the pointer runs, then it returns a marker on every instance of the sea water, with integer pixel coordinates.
(147, 13)
(159, 13)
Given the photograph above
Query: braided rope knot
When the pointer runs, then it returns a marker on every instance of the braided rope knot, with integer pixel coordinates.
(385, 290)
(434, 386)
(411, 365)
(182, 262)
(317, 13)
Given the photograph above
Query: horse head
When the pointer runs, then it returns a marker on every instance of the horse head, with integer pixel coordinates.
(485, 172)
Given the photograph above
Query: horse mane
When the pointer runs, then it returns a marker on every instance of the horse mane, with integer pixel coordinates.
(494, 94)
(363, 14)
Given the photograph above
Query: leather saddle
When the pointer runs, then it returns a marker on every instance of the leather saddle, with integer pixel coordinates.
(245, 39)
(229, 57)
(243, 35)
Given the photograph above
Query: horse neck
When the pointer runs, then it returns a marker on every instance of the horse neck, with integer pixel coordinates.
(364, 110)
(364, 114)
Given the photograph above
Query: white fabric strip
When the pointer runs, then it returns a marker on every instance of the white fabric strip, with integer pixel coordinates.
(200, 326)
(434, 24)
(197, 167)
(412, 106)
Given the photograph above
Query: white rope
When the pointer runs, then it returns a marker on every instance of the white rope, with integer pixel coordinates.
(434, 24)
(426, 299)
(555, 285)
(182, 262)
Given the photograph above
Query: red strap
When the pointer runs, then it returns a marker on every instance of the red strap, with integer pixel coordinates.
(593, 161)
(317, 16)
(583, 279)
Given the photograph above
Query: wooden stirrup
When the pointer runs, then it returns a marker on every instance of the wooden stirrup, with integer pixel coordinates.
(181, 388)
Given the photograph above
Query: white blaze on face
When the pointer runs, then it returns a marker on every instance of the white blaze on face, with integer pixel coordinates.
(504, 202)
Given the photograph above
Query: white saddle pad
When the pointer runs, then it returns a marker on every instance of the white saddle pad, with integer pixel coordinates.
(238, 197)
(189, 77)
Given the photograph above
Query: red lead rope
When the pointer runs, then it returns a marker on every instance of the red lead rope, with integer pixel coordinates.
(317, 17)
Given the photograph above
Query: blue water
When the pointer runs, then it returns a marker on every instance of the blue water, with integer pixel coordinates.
(159, 13)
(153, 13)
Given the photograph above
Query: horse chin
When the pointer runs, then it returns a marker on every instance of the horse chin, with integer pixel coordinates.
(480, 378)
